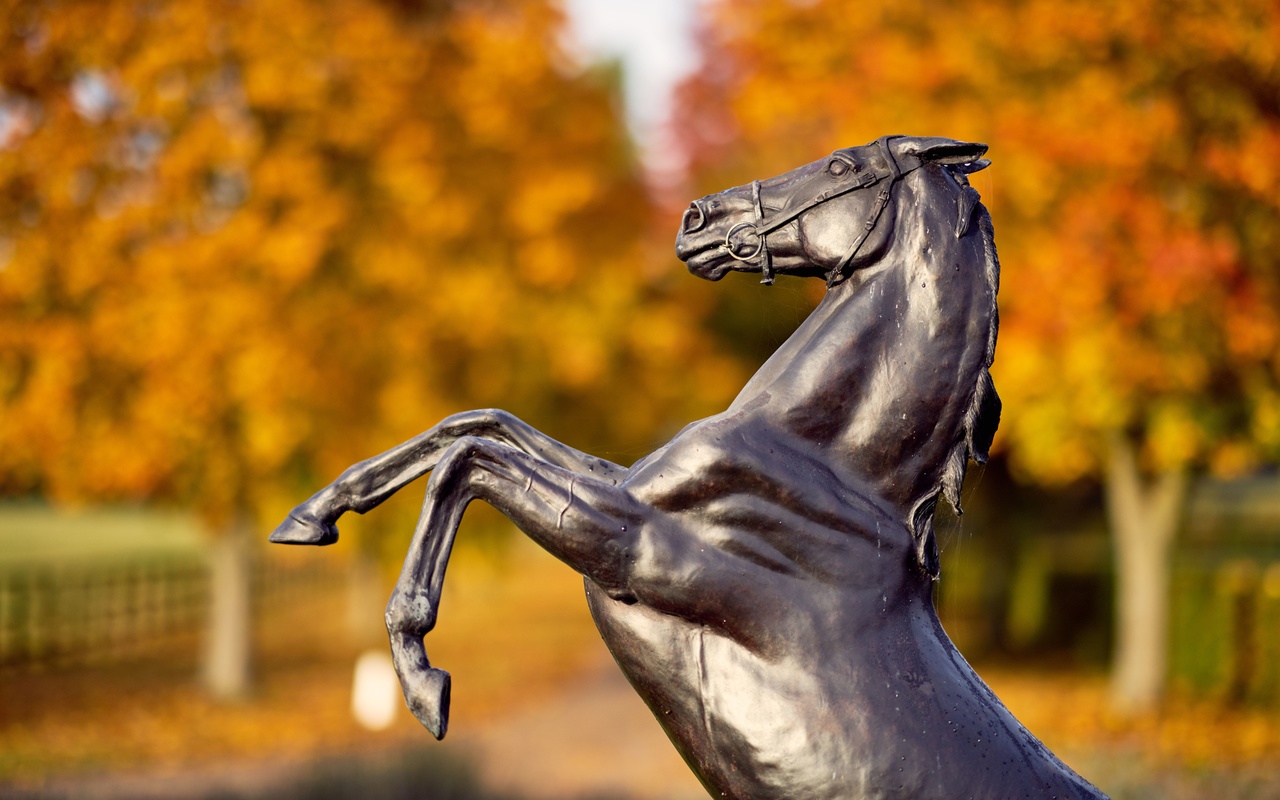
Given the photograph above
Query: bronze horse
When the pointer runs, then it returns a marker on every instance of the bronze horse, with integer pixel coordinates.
(765, 578)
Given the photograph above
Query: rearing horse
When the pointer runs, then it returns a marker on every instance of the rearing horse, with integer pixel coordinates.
(765, 578)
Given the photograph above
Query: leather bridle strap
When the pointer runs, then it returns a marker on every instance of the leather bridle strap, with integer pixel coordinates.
(766, 260)
(762, 227)
(882, 200)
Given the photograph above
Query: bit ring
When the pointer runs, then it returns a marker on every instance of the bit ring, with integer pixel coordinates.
(728, 245)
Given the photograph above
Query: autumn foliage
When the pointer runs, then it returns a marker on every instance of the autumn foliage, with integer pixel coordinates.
(243, 245)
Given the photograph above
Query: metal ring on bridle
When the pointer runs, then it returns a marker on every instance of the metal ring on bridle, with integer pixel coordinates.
(728, 245)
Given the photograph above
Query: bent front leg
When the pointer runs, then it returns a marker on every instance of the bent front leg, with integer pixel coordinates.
(369, 483)
(582, 520)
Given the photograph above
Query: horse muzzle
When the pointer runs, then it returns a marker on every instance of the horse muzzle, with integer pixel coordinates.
(710, 247)
(700, 247)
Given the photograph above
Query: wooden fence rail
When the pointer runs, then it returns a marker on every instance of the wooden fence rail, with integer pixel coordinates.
(62, 615)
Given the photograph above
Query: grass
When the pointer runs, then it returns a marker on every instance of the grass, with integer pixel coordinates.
(36, 534)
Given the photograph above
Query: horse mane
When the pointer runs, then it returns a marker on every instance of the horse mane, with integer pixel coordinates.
(982, 416)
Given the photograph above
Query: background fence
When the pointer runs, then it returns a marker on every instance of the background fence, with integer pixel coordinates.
(55, 615)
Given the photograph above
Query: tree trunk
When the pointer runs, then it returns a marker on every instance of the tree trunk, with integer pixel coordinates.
(227, 644)
(1144, 518)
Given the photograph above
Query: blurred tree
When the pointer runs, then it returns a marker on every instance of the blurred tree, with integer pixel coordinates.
(1137, 195)
(243, 245)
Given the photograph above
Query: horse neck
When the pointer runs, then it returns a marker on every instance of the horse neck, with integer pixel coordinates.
(885, 368)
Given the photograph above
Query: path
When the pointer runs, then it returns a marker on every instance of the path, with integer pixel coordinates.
(592, 739)
(596, 738)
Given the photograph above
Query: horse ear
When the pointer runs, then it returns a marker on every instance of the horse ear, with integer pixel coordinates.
(939, 149)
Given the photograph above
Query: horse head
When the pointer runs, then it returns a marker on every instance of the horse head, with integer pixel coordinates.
(825, 218)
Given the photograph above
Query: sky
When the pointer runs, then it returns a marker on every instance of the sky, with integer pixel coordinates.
(654, 39)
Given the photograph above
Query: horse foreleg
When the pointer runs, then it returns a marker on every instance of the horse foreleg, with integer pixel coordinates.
(582, 520)
(368, 483)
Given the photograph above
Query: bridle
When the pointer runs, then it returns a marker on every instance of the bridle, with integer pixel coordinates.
(888, 175)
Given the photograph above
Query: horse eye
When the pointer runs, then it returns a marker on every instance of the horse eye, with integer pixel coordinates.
(837, 167)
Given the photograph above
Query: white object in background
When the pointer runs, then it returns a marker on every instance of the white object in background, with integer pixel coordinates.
(375, 691)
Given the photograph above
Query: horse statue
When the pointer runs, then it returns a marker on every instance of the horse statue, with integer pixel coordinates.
(764, 579)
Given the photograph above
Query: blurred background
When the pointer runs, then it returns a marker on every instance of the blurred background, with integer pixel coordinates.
(245, 245)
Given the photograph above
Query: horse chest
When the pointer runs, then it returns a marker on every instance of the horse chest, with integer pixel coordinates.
(749, 726)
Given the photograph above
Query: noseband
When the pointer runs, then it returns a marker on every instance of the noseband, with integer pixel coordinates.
(893, 169)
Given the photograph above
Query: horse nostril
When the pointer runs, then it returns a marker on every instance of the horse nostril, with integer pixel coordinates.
(694, 218)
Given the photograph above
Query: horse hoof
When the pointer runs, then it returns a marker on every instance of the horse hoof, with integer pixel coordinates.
(429, 700)
(302, 529)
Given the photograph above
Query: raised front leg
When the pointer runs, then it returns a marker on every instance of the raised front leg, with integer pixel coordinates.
(582, 520)
(369, 483)
(632, 551)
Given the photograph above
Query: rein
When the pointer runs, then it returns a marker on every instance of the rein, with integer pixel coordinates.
(761, 228)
